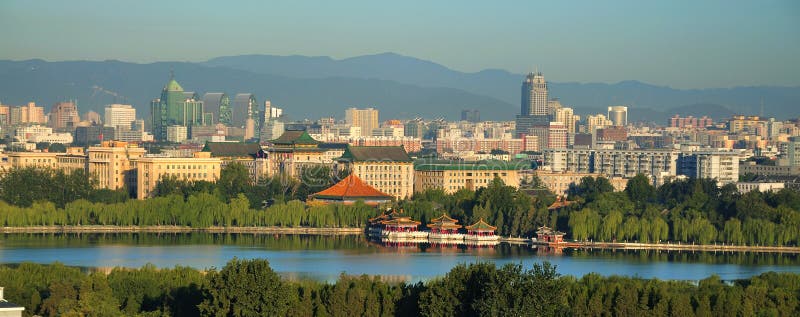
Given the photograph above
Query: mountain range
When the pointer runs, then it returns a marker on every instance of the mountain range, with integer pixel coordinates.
(399, 86)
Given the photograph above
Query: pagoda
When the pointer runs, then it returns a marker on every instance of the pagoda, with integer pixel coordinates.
(444, 228)
(349, 190)
(396, 227)
(481, 232)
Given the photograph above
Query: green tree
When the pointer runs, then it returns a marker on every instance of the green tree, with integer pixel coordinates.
(246, 288)
(234, 179)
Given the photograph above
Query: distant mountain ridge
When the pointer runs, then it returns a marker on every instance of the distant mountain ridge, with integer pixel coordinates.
(780, 102)
(400, 86)
(95, 84)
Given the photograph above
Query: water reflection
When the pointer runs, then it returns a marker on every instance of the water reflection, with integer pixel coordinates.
(326, 257)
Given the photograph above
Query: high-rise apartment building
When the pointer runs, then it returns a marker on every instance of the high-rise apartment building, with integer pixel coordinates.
(27, 114)
(119, 115)
(366, 119)
(567, 117)
(471, 115)
(534, 95)
(618, 115)
(556, 136)
(723, 166)
(64, 116)
(598, 121)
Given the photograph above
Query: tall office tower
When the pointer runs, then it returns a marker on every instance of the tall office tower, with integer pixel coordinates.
(244, 107)
(119, 115)
(64, 116)
(618, 115)
(534, 95)
(471, 115)
(220, 104)
(176, 108)
(366, 119)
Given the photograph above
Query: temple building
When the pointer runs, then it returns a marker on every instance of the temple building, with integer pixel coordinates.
(350, 190)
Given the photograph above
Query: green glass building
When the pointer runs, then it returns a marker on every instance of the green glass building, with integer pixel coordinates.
(176, 107)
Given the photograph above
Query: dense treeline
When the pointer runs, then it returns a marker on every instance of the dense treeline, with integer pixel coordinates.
(200, 210)
(688, 211)
(251, 288)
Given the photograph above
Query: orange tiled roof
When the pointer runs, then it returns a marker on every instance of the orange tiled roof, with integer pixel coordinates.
(351, 187)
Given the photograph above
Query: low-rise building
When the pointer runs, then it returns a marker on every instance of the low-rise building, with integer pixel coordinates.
(387, 168)
(111, 164)
(746, 187)
(150, 170)
(248, 154)
(559, 183)
(452, 176)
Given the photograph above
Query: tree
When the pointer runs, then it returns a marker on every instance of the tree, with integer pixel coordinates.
(234, 179)
(639, 190)
(246, 288)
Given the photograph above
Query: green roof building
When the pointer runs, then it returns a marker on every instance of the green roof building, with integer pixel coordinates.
(176, 108)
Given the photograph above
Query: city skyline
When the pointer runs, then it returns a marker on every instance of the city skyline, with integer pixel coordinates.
(676, 44)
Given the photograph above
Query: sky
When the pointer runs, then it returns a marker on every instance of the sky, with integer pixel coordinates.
(681, 44)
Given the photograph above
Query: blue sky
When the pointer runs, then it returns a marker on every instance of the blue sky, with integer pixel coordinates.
(683, 44)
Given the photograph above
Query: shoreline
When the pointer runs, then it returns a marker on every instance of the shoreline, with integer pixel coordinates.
(360, 231)
(183, 229)
(670, 247)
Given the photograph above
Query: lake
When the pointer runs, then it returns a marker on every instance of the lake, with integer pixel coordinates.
(326, 257)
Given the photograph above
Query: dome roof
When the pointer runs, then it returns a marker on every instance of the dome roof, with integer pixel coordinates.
(173, 85)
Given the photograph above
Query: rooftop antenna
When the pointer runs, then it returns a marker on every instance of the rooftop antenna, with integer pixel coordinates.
(171, 73)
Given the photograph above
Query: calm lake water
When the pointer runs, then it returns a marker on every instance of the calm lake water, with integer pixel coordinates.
(326, 257)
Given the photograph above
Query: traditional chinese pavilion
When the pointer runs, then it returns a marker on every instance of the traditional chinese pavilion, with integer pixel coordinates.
(349, 190)
(548, 235)
(444, 227)
(481, 229)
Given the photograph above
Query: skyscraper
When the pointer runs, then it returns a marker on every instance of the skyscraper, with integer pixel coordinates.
(220, 104)
(366, 119)
(175, 108)
(618, 115)
(534, 95)
(533, 112)
(244, 107)
(64, 116)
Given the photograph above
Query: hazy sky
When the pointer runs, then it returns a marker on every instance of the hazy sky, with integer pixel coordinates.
(683, 44)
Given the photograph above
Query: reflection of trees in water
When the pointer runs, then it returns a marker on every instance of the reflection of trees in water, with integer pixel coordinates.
(644, 256)
(268, 241)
